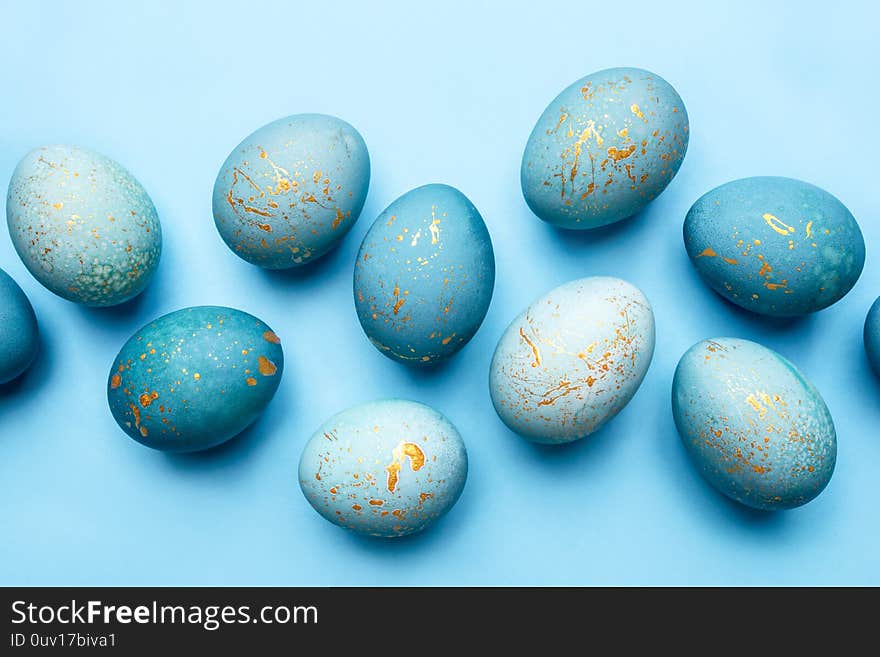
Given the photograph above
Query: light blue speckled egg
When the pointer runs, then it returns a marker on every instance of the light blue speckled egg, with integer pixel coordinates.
(82, 225)
(755, 428)
(872, 336)
(386, 468)
(775, 246)
(194, 378)
(424, 276)
(291, 190)
(604, 148)
(572, 360)
(19, 337)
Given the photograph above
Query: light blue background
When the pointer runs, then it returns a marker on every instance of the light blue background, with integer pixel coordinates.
(443, 93)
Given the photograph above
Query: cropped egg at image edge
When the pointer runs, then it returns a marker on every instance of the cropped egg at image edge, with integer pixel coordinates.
(587, 312)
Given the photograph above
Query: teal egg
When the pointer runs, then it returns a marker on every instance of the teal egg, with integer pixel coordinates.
(424, 276)
(572, 360)
(83, 225)
(194, 378)
(604, 148)
(291, 190)
(872, 336)
(752, 424)
(386, 468)
(19, 337)
(775, 246)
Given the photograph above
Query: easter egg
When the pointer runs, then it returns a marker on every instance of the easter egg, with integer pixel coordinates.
(424, 276)
(82, 225)
(572, 360)
(385, 468)
(775, 246)
(753, 426)
(872, 336)
(19, 337)
(604, 148)
(291, 190)
(194, 378)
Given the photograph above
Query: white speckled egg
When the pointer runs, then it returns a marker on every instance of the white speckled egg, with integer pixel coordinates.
(83, 225)
(573, 359)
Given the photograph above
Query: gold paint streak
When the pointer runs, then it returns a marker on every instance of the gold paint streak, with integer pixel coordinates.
(115, 381)
(777, 224)
(416, 461)
(269, 336)
(709, 253)
(535, 352)
(809, 229)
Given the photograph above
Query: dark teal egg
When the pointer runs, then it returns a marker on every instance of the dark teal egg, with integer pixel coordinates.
(291, 190)
(604, 148)
(872, 336)
(194, 378)
(19, 337)
(83, 225)
(775, 246)
(752, 424)
(424, 276)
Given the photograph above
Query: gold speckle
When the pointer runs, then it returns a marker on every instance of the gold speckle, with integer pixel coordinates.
(197, 376)
(115, 381)
(265, 366)
(638, 112)
(251, 381)
(269, 336)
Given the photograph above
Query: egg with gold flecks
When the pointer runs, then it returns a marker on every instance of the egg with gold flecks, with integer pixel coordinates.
(752, 424)
(604, 148)
(424, 276)
(194, 378)
(386, 468)
(291, 190)
(572, 360)
(774, 246)
(19, 336)
(83, 225)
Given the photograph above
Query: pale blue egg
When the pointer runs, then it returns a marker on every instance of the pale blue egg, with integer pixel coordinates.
(604, 148)
(573, 359)
(775, 246)
(753, 426)
(291, 190)
(385, 468)
(82, 225)
(424, 276)
(194, 378)
(19, 336)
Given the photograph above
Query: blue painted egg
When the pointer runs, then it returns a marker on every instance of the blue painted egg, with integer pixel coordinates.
(194, 378)
(82, 225)
(291, 190)
(755, 428)
(872, 336)
(19, 337)
(775, 246)
(386, 468)
(424, 276)
(604, 148)
(572, 360)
